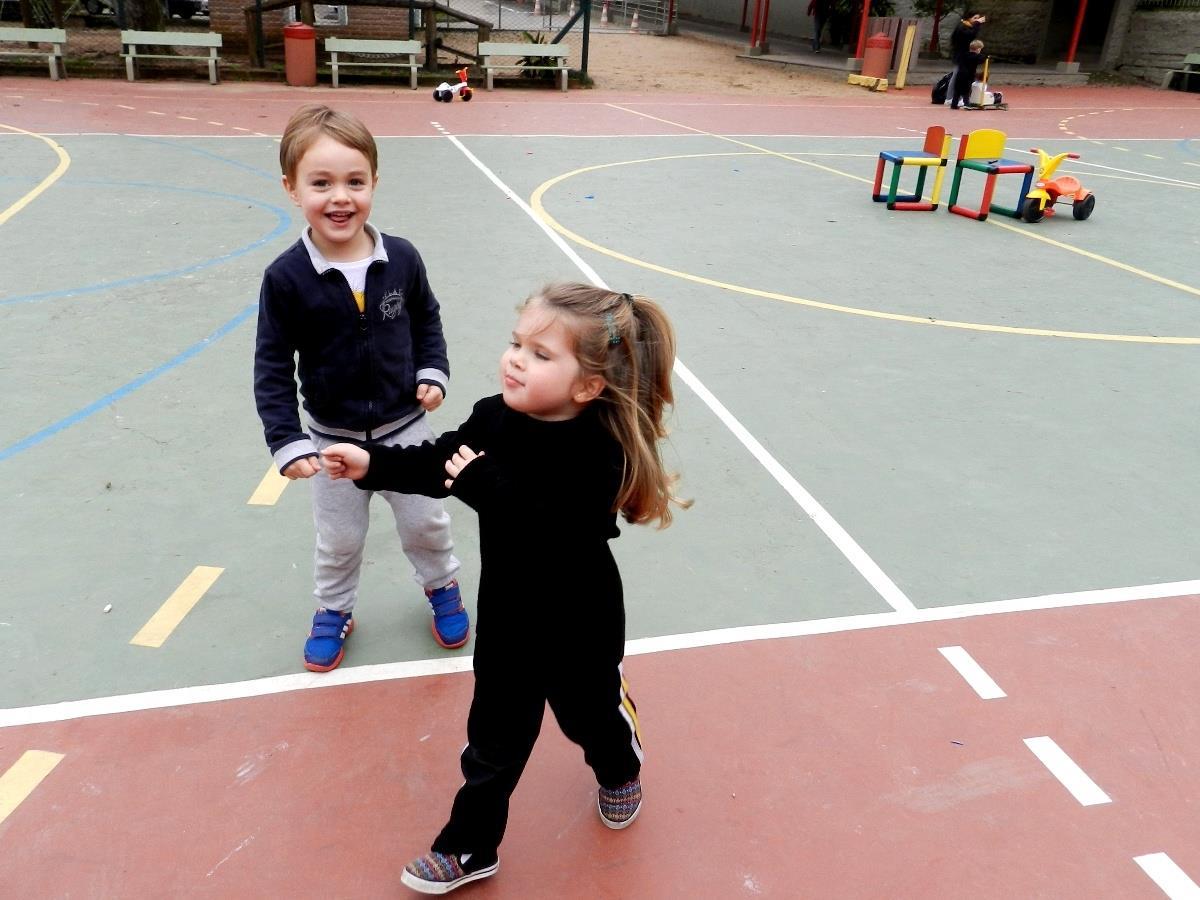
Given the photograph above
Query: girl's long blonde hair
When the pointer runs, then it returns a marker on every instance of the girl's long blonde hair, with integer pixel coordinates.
(629, 342)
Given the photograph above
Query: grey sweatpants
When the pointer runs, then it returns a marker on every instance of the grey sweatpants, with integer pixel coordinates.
(341, 513)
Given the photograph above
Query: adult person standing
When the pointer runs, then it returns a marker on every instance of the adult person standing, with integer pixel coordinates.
(819, 10)
(964, 32)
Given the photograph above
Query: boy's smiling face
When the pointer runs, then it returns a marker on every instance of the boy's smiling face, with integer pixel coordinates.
(334, 187)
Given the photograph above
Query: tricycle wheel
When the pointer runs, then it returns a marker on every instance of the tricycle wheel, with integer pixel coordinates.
(1081, 209)
(1032, 211)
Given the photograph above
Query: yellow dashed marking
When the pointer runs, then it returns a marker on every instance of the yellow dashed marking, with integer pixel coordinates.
(269, 489)
(26, 774)
(187, 118)
(217, 123)
(178, 605)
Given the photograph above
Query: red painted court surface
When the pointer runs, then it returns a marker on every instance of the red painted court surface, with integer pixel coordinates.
(867, 713)
(856, 764)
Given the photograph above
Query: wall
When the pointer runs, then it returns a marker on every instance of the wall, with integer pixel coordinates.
(1158, 40)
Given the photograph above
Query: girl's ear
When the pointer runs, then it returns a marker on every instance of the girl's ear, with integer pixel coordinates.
(589, 389)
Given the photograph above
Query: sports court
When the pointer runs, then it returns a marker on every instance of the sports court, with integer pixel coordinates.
(928, 630)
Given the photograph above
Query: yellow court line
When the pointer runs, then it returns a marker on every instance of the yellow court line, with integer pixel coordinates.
(64, 163)
(178, 605)
(269, 489)
(537, 204)
(26, 774)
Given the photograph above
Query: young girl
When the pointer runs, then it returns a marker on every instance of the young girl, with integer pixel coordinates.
(571, 441)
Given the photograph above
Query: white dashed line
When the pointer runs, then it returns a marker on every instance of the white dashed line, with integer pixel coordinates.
(1168, 876)
(151, 112)
(972, 673)
(1062, 767)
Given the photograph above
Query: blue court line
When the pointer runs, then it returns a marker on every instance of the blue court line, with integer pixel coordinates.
(128, 388)
(231, 162)
(283, 224)
(1185, 143)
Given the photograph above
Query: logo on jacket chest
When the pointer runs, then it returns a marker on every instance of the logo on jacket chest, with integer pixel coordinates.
(391, 304)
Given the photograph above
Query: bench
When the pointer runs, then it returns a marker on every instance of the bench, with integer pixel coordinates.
(1190, 70)
(132, 40)
(375, 48)
(555, 55)
(55, 37)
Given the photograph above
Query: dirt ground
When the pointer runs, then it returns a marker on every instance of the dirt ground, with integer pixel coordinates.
(692, 64)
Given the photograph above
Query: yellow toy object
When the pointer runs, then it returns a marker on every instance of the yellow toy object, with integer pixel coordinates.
(1039, 202)
(983, 151)
(935, 152)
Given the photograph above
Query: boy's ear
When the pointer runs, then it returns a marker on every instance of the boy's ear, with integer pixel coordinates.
(291, 192)
(589, 389)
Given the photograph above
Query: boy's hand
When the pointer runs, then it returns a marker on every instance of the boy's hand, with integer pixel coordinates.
(429, 396)
(305, 467)
(346, 461)
(459, 461)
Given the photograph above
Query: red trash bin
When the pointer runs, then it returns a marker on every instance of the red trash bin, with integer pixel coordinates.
(300, 54)
(877, 57)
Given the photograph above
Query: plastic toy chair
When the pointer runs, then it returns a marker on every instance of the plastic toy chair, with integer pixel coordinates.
(935, 152)
(983, 151)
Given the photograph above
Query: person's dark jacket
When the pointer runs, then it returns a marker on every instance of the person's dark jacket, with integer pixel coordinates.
(960, 39)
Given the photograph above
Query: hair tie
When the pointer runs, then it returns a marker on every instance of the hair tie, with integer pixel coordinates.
(614, 336)
(627, 298)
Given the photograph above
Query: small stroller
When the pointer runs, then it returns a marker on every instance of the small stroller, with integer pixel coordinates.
(981, 97)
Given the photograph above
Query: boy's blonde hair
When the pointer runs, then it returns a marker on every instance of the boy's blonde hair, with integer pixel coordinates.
(310, 122)
(976, 45)
(630, 343)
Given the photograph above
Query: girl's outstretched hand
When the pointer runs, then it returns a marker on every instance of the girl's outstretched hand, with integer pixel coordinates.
(346, 461)
(460, 460)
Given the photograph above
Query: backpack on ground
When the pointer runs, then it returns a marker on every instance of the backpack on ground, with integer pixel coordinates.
(941, 89)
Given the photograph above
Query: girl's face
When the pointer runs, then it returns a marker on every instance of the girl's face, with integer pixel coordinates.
(539, 372)
(334, 187)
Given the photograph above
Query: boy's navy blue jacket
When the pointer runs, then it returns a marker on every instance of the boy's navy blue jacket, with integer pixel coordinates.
(358, 371)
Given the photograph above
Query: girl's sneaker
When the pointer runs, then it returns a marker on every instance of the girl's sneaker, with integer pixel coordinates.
(620, 806)
(440, 873)
(451, 624)
(326, 643)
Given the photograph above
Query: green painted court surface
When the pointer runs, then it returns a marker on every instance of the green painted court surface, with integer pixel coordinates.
(968, 464)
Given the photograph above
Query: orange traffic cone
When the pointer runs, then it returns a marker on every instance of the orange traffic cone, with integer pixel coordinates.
(633, 26)
(604, 13)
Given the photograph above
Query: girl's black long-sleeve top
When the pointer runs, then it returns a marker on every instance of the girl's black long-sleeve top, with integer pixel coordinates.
(544, 493)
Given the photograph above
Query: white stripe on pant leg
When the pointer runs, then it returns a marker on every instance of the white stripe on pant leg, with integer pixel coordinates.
(628, 712)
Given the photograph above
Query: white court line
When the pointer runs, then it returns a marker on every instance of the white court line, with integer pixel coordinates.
(1167, 875)
(858, 558)
(209, 693)
(972, 673)
(1065, 769)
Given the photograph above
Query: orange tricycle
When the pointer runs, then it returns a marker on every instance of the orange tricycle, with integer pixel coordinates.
(1048, 190)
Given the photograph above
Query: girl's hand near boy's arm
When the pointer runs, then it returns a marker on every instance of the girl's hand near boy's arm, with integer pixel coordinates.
(304, 467)
(346, 461)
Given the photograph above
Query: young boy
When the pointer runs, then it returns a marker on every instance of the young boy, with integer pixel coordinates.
(968, 65)
(354, 307)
